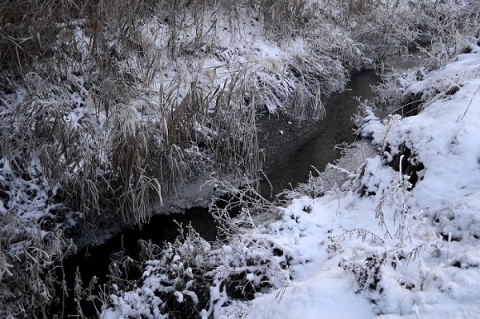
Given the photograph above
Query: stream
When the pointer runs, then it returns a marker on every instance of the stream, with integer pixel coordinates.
(293, 163)
(95, 260)
(295, 159)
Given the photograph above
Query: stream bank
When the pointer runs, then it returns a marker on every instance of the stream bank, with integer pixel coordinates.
(291, 164)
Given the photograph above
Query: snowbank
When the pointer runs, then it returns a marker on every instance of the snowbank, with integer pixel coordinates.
(411, 253)
(381, 245)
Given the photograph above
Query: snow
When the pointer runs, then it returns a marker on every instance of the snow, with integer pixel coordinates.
(375, 247)
(445, 273)
(325, 295)
(369, 244)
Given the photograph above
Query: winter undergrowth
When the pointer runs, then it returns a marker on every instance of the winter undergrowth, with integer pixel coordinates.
(109, 108)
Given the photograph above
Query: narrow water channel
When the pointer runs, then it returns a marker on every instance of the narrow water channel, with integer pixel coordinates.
(95, 260)
(293, 164)
(295, 159)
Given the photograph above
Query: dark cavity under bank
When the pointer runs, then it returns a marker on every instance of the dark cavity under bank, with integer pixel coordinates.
(95, 260)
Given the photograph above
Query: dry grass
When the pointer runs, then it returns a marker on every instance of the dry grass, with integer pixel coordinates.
(27, 272)
(114, 161)
(105, 127)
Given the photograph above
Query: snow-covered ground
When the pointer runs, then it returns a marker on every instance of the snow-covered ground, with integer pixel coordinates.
(369, 247)
(376, 246)
(407, 253)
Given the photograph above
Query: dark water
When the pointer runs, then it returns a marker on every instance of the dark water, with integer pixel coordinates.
(294, 160)
(292, 166)
(95, 260)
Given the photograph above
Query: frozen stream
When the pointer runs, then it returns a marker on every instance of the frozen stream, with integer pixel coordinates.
(293, 163)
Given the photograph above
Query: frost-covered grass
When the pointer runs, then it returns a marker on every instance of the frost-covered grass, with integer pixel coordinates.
(376, 246)
(122, 109)
(107, 108)
(117, 109)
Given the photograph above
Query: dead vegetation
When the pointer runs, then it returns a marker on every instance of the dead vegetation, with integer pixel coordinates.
(90, 109)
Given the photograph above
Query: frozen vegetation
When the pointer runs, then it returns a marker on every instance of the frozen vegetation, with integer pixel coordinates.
(109, 109)
(399, 238)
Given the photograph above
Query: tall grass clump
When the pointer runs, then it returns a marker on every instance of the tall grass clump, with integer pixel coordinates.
(27, 269)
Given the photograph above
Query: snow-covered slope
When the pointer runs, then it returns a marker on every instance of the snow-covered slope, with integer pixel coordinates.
(399, 239)
(407, 253)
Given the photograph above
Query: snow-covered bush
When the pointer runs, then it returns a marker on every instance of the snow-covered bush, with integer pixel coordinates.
(173, 283)
(192, 278)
